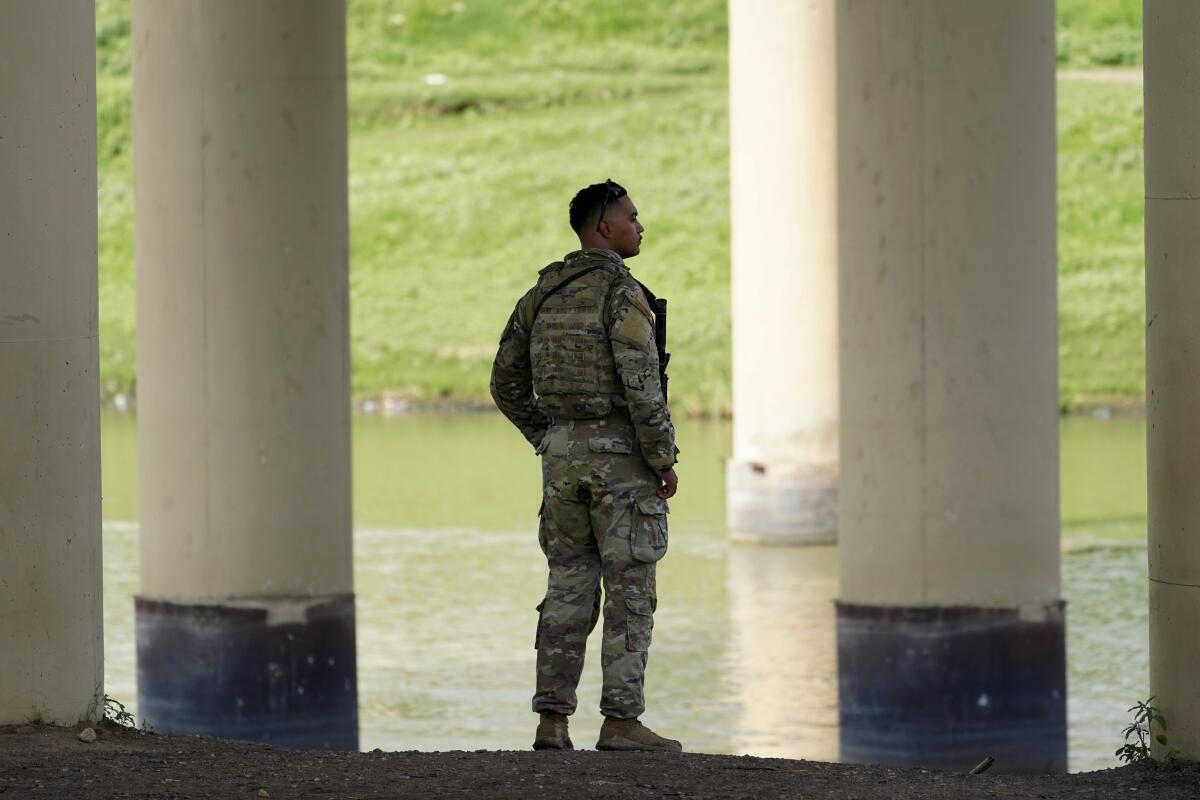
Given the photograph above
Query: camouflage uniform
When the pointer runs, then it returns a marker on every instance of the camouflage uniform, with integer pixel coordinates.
(581, 383)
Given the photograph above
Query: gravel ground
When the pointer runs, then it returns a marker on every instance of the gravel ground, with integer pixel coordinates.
(49, 762)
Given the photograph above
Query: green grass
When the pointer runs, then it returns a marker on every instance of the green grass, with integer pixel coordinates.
(458, 189)
(1099, 32)
(1101, 285)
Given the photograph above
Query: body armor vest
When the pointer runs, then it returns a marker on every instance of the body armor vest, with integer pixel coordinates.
(574, 374)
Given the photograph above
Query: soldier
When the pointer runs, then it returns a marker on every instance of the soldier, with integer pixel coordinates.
(578, 373)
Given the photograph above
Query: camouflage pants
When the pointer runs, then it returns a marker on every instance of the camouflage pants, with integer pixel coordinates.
(601, 523)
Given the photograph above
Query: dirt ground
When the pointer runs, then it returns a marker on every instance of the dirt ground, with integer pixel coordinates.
(48, 762)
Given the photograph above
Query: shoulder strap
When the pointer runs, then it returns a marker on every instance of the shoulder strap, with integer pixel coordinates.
(649, 294)
(659, 304)
(558, 286)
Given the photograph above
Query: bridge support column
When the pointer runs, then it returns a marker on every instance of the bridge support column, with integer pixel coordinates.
(51, 622)
(245, 622)
(782, 480)
(1172, 374)
(950, 624)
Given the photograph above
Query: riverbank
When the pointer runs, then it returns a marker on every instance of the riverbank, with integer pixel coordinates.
(394, 405)
(471, 124)
(50, 762)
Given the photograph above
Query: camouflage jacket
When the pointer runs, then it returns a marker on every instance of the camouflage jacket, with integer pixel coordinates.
(627, 334)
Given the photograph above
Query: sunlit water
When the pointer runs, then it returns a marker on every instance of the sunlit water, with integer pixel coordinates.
(448, 571)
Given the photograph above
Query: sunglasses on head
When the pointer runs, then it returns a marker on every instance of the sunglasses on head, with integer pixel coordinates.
(611, 192)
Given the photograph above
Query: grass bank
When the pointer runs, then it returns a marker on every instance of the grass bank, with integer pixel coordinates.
(473, 122)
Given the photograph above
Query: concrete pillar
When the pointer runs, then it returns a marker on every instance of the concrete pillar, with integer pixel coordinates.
(51, 626)
(782, 479)
(950, 624)
(1172, 84)
(245, 623)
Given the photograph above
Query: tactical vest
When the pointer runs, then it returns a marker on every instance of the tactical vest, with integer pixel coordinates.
(574, 374)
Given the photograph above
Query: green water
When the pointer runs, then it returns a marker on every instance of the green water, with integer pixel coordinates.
(448, 571)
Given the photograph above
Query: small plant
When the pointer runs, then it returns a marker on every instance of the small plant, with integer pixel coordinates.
(1139, 732)
(115, 710)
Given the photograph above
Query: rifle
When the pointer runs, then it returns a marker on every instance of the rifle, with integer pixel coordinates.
(659, 306)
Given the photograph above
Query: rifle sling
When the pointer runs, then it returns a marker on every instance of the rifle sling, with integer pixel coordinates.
(649, 294)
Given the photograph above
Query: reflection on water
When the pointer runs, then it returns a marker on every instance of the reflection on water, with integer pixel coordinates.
(785, 638)
(448, 572)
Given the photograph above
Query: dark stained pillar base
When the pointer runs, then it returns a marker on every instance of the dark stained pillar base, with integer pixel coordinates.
(269, 670)
(944, 687)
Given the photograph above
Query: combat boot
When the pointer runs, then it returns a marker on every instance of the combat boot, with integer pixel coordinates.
(629, 734)
(552, 733)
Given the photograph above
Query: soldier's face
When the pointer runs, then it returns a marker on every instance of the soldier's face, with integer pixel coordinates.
(621, 227)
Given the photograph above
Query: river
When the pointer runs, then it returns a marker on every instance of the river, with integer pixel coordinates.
(448, 571)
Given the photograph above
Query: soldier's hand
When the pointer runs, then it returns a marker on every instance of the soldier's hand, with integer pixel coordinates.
(670, 483)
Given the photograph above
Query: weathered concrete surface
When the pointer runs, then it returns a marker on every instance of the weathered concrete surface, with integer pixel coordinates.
(51, 622)
(1172, 84)
(242, 253)
(782, 481)
(949, 392)
(948, 517)
(240, 167)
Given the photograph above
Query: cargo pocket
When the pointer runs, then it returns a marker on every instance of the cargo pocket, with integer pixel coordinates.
(648, 531)
(639, 622)
(537, 636)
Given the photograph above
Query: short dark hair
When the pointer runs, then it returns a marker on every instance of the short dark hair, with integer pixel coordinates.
(587, 201)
